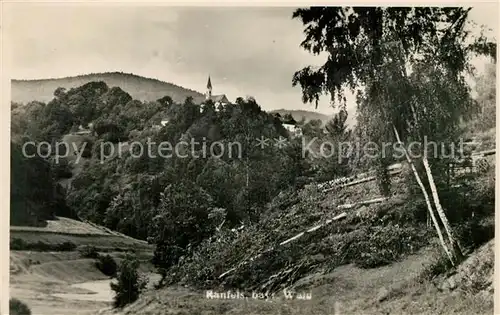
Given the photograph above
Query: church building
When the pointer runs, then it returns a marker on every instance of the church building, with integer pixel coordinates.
(220, 99)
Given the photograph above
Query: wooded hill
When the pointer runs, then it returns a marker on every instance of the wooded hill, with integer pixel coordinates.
(140, 88)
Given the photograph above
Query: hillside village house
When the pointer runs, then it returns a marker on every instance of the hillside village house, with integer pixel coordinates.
(164, 122)
(84, 130)
(290, 125)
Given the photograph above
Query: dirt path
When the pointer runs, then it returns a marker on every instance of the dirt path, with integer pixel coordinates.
(99, 290)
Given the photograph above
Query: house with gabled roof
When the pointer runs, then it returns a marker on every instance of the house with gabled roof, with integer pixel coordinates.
(290, 125)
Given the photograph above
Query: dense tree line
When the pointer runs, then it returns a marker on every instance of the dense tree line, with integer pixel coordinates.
(174, 202)
(35, 195)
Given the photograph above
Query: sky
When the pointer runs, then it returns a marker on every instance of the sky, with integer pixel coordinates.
(252, 51)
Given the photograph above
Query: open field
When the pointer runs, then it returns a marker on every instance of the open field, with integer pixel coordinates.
(102, 241)
(79, 233)
(63, 225)
(63, 282)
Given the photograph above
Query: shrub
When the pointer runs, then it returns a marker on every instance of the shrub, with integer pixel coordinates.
(475, 232)
(183, 221)
(439, 266)
(129, 285)
(16, 307)
(107, 265)
(66, 247)
(88, 251)
(113, 137)
(19, 244)
(87, 151)
(62, 168)
(384, 245)
(100, 150)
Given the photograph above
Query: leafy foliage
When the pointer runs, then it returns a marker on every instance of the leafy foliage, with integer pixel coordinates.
(129, 283)
(17, 307)
(181, 220)
(35, 196)
(107, 265)
(485, 88)
(169, 199)
(20, 244)
(407, 67)
(129, 203)
(364, 36)
(378, 237)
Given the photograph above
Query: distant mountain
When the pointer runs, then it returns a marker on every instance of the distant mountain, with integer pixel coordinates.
(140, 88)
(299, 114)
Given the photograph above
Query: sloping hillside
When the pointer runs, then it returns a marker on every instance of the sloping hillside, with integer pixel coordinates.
(394, 289)
(140, 88)
(299, 114)
(343, 268)
(51, 279)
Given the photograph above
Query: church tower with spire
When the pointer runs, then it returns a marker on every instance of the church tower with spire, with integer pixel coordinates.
(217, 100)
(208, 94)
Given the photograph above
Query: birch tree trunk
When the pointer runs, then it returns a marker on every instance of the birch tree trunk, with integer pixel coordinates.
(455, 245)
(427, 199)
(247, 174)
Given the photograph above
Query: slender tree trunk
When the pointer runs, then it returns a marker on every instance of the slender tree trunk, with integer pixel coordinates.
(248, 152)
(427, 199)
(247, 175)
(455, 245)
(457, 253)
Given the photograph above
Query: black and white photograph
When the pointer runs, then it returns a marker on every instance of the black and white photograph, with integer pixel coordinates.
(242, 159)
